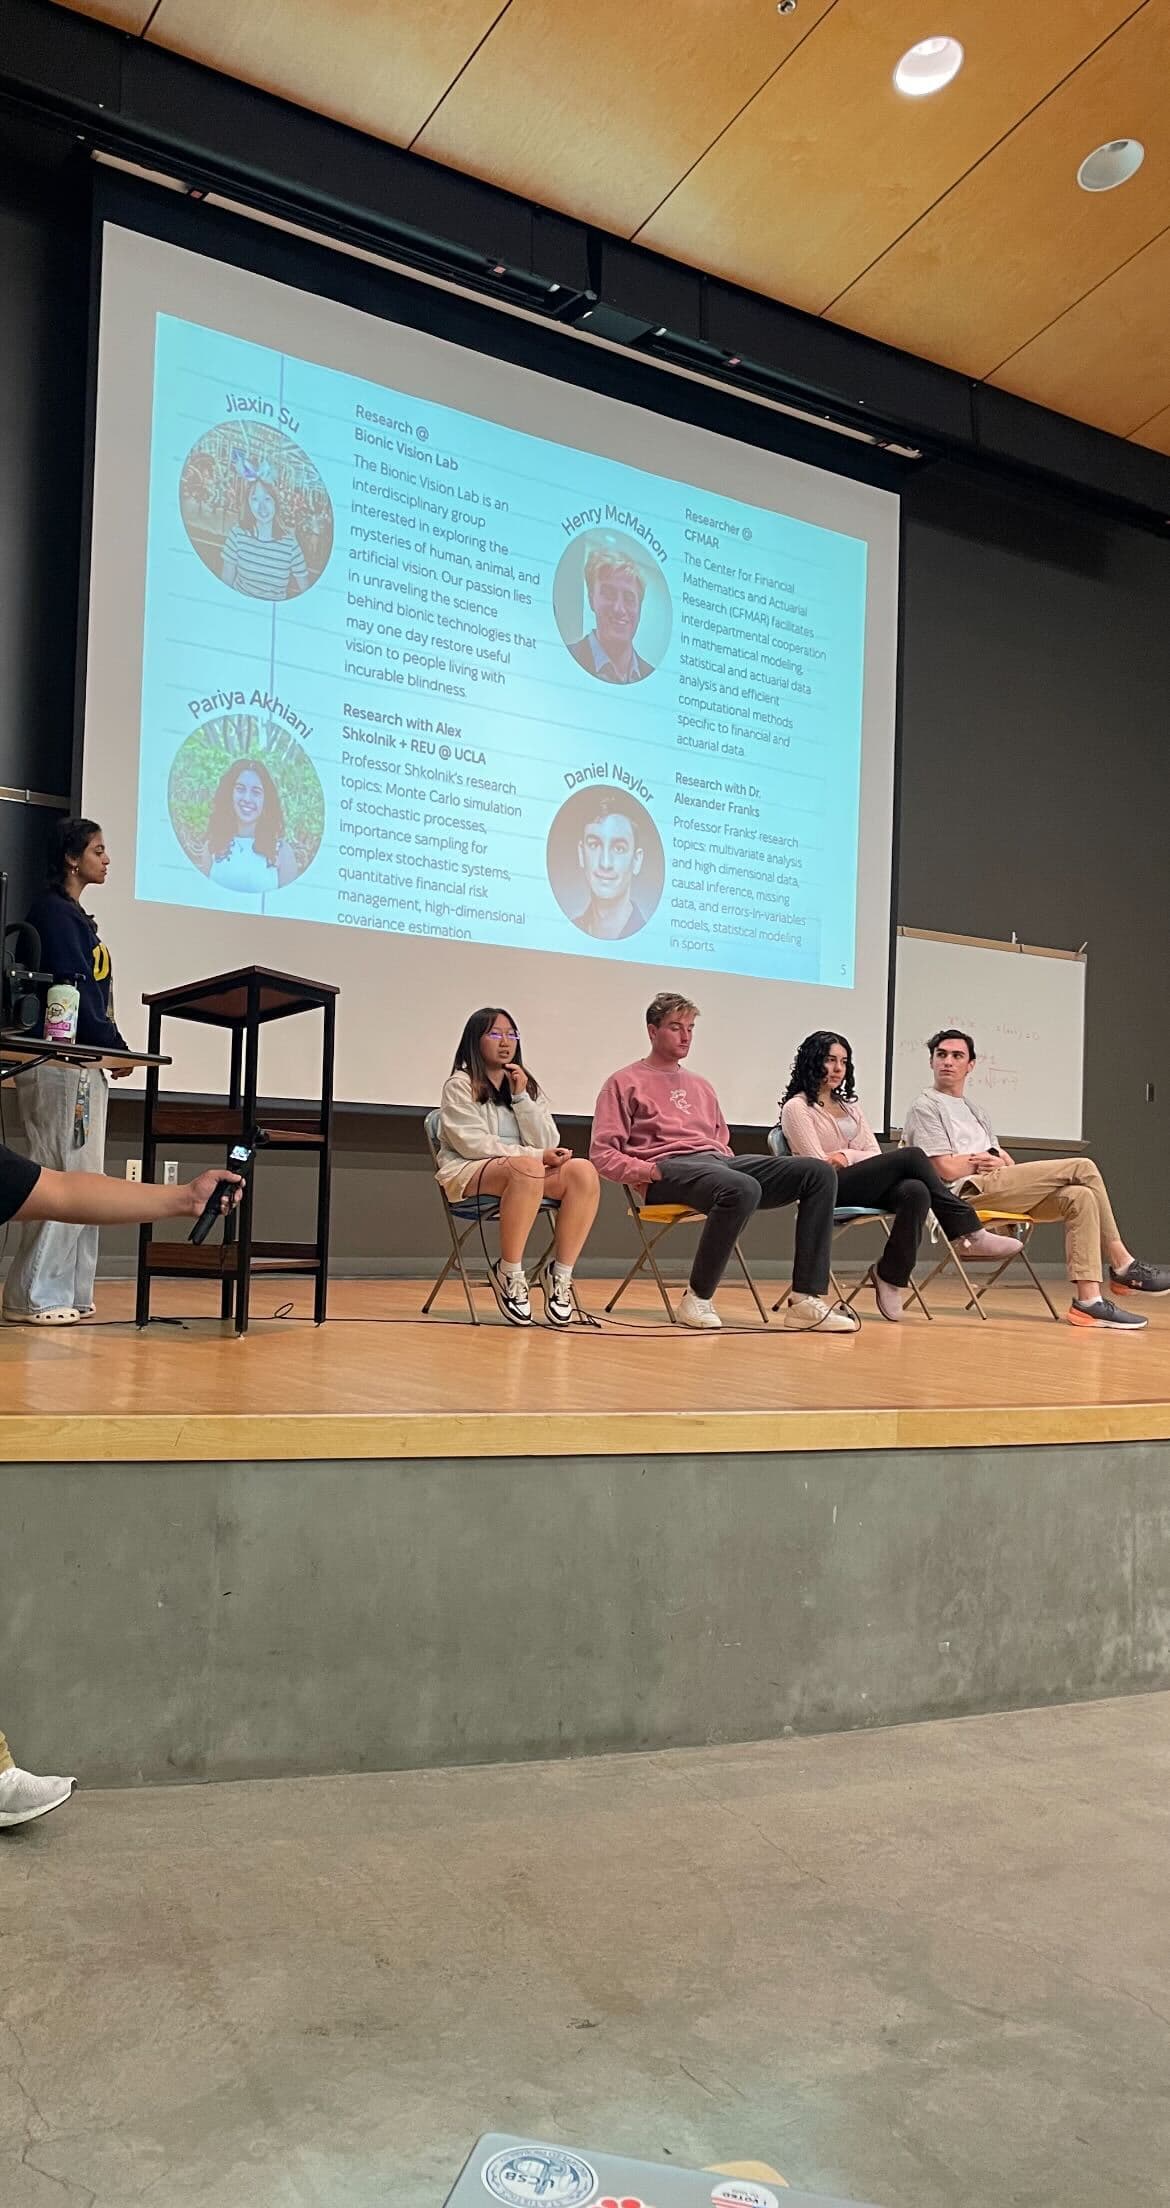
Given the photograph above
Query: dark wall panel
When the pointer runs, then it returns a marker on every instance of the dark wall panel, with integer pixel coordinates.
(1036, 774)
(43, 257)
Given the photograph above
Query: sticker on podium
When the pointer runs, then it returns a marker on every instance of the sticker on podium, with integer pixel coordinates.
(525, 2176)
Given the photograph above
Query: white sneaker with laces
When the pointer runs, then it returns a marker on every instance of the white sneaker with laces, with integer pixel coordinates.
(556, 1286)
(811, 1314)
(23, 1797)
(511, 1293)
(698, 1311)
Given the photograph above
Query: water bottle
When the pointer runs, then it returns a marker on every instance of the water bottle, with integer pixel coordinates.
(61, 1009)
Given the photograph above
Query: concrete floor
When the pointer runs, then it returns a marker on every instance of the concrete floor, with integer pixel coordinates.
(926, 1967)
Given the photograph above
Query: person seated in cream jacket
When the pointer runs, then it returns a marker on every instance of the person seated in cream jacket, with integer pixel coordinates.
(498, 1138)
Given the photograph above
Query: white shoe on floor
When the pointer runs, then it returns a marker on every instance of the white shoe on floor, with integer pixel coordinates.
(62, 1315)
(23, 1797)
(511, 1293)
(811, 1314)
(698, 1311)
(989, 1246)
(890, 1300)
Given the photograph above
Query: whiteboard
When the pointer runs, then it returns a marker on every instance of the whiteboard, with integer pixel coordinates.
(1026, 1011)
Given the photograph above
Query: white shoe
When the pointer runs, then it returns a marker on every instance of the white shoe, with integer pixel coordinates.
(22, 1797)
(890, 1300)
(808, 1314)
(989, 1246)
(698, 1311)
(511, 1293)
(61, 1315)
(556, 1286)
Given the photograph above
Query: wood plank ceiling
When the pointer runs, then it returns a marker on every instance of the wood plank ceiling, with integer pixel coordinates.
(774, 150)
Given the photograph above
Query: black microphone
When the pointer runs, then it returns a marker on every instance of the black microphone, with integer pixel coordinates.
(240, 1158)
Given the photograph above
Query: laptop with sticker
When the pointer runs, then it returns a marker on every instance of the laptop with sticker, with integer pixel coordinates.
(504, 2172)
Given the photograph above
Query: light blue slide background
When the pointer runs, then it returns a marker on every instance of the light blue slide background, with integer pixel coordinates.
(547, 720)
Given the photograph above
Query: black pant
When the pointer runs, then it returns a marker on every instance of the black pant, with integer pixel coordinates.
(905, 1182)
(728, 1190)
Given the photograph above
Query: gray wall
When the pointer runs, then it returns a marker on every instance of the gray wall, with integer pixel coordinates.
(228, 1621)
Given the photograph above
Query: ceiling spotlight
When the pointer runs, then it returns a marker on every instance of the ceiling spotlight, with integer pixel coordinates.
(928, 66)
(1111, 165)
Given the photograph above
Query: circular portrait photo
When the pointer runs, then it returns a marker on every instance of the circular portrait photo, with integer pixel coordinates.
(612, 606)
(256, 510)
(605, 863)
(246, 804)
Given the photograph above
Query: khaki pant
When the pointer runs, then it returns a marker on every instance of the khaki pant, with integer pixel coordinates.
(1056, 1188)
(6, 1763)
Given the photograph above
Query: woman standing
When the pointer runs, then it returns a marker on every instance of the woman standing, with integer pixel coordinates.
(498, 1138)
(51, 1279)
(820, 1117)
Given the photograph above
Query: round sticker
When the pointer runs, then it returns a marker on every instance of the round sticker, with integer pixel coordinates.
(548, 2175)
(737, 2192)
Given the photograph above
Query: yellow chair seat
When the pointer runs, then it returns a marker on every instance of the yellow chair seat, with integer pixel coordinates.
(667, 1215)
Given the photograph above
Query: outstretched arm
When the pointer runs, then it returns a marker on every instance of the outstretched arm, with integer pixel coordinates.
(96, 1200)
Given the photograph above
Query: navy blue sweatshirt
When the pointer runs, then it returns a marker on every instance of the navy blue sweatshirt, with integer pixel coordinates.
(72, 950)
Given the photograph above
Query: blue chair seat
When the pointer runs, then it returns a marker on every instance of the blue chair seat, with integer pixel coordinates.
(845, 1212)
(486, 1207)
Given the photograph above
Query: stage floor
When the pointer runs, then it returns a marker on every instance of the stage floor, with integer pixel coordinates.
(380, 1381)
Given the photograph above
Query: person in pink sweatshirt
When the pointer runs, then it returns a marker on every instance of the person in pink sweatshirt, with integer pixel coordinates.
(658, 1129)
(820, 1117)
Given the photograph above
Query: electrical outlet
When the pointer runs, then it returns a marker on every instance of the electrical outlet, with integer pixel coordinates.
(134, 1169)
(170, 1172)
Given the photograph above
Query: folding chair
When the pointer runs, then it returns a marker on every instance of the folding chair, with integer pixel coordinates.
(991, 1217)
(665, 1217)
(473, 1209)
(845, 1218)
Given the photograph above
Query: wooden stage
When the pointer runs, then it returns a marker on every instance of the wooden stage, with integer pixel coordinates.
(380, 1382)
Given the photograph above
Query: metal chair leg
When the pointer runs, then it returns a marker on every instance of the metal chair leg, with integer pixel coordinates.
(751, 1284)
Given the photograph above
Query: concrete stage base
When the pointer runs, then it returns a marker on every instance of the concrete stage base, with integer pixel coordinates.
(205, 1620)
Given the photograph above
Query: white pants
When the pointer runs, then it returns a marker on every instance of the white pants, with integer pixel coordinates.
(55, 1266)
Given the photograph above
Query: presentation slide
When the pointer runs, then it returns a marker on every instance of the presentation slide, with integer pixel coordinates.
(525, 682)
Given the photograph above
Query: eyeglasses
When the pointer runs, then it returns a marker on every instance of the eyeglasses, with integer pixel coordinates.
(497, 1035)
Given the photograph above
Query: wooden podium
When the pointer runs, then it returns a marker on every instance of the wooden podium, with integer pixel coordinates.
(243, 1003)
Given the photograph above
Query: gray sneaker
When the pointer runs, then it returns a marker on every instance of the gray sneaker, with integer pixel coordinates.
(1141, 1280)
(1104, 1313)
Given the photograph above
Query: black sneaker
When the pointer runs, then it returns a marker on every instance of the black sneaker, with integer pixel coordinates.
(1141, 1280)
(1103, 1313)
(511, 1293)
(557, 1289)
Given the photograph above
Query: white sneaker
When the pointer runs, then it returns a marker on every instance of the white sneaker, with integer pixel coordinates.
(889, 1299)
(698, 1311)
(511, 1293)
(989, 1246)
(806, 1314)
(556, 1286)
(22, 1797)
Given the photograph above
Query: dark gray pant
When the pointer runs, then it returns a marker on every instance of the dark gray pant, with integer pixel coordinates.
(728, 1190)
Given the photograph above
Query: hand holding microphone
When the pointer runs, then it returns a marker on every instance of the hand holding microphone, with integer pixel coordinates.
(222, 1191)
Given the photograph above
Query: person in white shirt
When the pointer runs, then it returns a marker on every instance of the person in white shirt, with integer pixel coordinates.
(962, 1142)
(497, 1137)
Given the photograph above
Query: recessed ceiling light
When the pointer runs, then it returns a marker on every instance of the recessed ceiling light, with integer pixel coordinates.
(1111, 165)
(928, 66)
